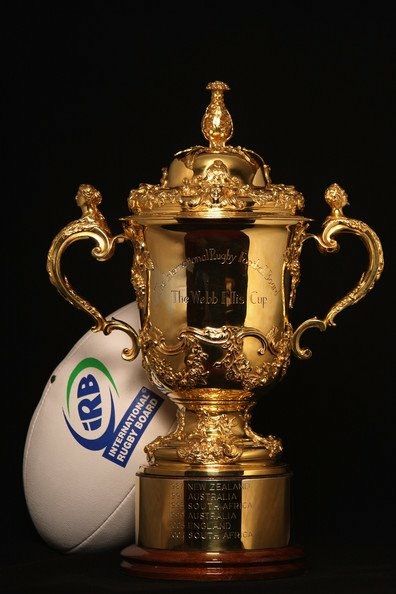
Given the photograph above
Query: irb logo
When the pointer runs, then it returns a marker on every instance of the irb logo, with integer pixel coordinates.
(90, 412)
(89, 407)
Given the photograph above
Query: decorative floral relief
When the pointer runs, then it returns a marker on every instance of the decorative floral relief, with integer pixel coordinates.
(237, 366)
(212, 441)
(217, 188)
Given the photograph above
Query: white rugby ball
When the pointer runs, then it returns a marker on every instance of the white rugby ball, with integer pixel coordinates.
(85, 443)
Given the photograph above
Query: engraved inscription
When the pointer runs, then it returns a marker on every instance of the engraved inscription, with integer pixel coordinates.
(176, 512)
(224, 257)
(213, 513)
(212, 297)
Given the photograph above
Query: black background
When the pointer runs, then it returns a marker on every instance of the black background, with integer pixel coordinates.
(105, 93)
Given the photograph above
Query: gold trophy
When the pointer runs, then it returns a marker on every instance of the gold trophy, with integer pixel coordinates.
(215, 272)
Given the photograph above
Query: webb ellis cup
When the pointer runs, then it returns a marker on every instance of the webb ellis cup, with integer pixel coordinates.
(215, 271)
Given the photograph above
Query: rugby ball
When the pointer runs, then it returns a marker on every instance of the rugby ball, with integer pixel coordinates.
(85, 443)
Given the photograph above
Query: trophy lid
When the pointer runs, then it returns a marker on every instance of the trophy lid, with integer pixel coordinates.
(216, 181)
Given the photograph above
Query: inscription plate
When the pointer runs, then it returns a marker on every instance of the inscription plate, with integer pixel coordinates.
(212, 514)
(217, 513)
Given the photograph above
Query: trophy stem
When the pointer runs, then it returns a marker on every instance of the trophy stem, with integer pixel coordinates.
(213, 428)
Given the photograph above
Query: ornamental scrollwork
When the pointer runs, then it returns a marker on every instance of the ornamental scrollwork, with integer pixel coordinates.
(216, 188)
(154, 348)
(91, 225)
(292, 258)
(271, 443)
(162, 441)
(336, 224)
(236, 365)
(142, 262)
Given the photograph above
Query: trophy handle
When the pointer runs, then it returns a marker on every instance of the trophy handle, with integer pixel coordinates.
(335, 224)
(91, 225)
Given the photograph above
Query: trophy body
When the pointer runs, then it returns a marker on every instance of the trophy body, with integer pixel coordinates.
(214, 328)
(215, 272)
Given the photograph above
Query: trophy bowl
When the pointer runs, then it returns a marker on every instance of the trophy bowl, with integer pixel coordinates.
(215, 270)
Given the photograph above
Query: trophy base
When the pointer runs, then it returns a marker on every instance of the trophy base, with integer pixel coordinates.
(233, 525)
(211, 566)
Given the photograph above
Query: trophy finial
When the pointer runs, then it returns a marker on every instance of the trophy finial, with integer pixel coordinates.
(336, 198)
(217, 123)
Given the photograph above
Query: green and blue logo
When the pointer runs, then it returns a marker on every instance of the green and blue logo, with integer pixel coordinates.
(90, 412)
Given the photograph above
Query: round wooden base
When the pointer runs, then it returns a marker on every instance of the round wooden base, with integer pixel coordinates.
(211, 566)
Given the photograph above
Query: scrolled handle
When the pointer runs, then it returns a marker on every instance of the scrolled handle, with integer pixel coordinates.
(335, 224)
(91, 225)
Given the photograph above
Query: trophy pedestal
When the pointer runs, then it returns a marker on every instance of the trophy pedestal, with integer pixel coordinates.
(213, 566)
(218, 524)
